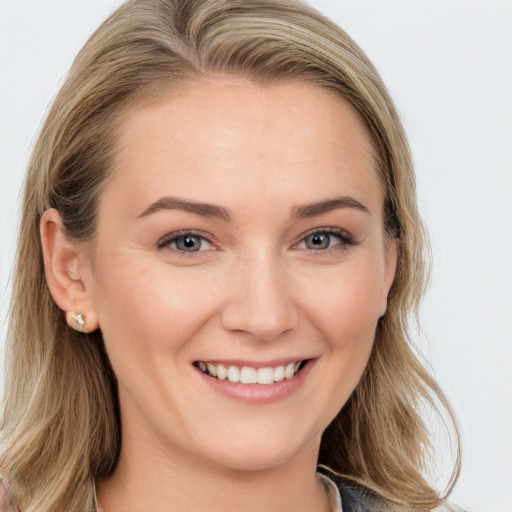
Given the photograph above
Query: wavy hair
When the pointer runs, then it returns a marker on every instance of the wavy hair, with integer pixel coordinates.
(60, 425)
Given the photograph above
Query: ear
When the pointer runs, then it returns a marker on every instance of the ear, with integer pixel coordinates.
(391, 260)
(64, 261)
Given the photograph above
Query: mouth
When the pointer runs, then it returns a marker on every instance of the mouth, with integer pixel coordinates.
(249, 375)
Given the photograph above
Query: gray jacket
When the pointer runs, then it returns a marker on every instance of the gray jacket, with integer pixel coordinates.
(355, 498)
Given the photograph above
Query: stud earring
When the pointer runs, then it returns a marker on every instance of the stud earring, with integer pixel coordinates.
(76, 320)
(80, 319)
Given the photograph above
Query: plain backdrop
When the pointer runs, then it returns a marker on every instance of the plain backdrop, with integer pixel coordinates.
(448, 67)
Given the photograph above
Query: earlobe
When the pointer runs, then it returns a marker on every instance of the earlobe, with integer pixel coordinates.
(80, 322)
(64, 273)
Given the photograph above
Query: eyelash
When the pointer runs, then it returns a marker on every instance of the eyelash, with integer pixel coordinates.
(171, 238)
(346, 240)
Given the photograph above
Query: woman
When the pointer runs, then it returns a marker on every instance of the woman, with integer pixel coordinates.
(219, 253)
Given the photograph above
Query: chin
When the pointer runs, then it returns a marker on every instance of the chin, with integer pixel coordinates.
(262, 452)
(251, 461)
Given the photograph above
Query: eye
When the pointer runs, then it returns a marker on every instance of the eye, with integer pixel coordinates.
(318, 241)
(185, 242)
(324, 239)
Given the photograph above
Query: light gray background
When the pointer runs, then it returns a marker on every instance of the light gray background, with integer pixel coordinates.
(448, 66)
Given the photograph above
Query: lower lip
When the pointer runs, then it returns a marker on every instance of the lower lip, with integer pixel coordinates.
(258, 393)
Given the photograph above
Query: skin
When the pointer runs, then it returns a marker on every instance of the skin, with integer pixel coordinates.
(257, 290)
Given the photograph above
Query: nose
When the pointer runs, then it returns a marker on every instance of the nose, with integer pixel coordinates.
(260, 303)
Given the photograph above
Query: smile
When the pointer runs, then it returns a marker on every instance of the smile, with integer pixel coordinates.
(249, 375)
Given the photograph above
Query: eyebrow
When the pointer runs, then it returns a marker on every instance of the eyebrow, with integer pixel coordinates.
(314, 209)
(219, 212)
(176, 203)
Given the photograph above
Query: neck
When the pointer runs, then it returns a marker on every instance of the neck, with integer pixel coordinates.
(166, 481)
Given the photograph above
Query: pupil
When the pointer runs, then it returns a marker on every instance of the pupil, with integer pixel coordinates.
(319, 241)
(188, 243)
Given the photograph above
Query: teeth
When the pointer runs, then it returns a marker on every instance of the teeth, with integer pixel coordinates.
(233, 374)
(249, 375)
(279, 374)
(289, 371)
(222, 373)
(265, 376)
(211, 369)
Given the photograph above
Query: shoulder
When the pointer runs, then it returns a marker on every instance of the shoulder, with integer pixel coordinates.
(356, 498)
(352, 497)
(7, 501)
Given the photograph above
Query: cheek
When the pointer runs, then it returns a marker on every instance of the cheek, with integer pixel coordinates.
(145, 308)
(346, 306)
(349, 328)
(347, 324)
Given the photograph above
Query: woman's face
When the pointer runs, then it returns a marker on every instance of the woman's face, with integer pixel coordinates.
(241, 235)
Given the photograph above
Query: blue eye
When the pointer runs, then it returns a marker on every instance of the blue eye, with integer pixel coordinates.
(188, 243)
(318, 241)
(185, 242)
(324, 239)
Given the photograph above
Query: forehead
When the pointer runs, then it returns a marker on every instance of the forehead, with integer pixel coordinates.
(232, 133)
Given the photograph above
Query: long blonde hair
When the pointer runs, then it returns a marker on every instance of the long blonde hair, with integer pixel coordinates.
(61, 425)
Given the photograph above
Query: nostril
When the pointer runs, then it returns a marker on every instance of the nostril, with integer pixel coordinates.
(259, 326)
(265, 323)
(260, 302)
